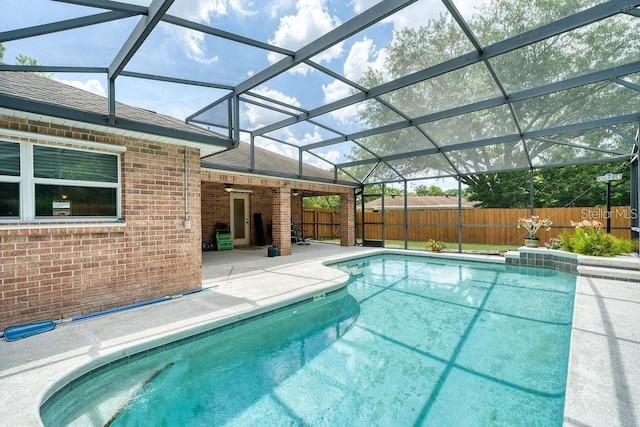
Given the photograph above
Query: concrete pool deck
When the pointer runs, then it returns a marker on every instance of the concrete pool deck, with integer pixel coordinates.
(604, 377)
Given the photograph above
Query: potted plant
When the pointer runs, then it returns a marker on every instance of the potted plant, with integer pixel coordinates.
(532, 224)
(436, 245)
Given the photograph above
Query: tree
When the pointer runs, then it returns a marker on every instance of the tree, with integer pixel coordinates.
(577, 186)
(570, 54)
(27, 60)
(553, 187)
(23, 60)
(325, 202)
(433, 190)
(499, 190)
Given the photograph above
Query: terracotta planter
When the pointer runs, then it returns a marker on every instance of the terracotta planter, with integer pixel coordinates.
(531, 242)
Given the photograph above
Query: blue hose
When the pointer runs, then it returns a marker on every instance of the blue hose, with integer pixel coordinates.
(23, 331)
(134, 305)
(118, 309)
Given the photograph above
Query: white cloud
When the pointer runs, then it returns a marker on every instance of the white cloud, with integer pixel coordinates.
(315, 161)
(362, 55)
(278, 7)
(347, 115)
(311, 21)
(362, 5)
(468, 7)
(193, 44)
(307, 138)
(93, 86)
(288, 136)
(331, 156)
(282, 149)
(416, 15)
(335, 90)
(203, 11)
(259, 117)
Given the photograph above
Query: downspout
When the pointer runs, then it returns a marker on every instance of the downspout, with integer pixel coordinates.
(187, 222)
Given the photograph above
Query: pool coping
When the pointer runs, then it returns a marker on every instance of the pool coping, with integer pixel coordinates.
(55, 358)
(86, 345)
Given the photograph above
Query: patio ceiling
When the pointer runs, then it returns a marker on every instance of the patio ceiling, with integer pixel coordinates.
(501, 96)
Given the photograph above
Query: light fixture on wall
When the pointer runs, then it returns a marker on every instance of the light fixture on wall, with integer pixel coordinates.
(230, 189)
(294, 192)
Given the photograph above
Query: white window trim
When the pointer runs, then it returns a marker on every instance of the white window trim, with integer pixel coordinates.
(28, 181)
(19, 136)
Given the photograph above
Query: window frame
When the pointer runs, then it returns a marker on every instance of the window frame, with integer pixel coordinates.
(17, 179)
(27, 185)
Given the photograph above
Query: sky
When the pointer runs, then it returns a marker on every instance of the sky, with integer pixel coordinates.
(178, 52)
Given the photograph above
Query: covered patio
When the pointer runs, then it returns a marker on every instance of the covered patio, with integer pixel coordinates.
(218, 266)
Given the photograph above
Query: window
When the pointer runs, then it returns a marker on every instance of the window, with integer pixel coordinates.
(9, 180)
(44, 182)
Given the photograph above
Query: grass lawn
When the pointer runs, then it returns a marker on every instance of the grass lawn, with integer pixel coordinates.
(451, 246)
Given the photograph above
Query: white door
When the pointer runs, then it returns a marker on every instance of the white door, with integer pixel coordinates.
(240, 230)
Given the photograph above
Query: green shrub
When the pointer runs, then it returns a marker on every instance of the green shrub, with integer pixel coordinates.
(593, 241)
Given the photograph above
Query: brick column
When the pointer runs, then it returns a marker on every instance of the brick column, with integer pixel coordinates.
(281, 217)
(347, 219)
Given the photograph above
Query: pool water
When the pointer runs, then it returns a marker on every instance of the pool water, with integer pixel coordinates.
(412, 341)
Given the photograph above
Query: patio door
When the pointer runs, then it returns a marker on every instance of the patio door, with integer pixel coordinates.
(240, 230)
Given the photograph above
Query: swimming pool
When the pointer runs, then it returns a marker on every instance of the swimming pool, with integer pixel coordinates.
(413, 341)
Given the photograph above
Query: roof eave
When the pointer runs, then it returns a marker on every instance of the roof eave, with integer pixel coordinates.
(209, 144)
(271, 174)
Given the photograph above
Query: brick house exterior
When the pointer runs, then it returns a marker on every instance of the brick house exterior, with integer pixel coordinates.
(56, 270)
(52, 269)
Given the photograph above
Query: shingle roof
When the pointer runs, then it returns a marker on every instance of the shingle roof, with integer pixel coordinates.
(265, 161)
(419, 202)
(34, 87)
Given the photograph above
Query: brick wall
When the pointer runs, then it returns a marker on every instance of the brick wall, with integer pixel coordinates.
(282, 220)
(50, 271)
(272, 198)
(260, 202)
(214, 208)
(347, 219)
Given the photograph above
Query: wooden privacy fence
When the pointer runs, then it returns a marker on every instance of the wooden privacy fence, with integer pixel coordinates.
(321, 224)
(490, 226)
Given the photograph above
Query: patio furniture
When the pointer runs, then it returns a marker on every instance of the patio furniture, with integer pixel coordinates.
(299, 235)
(222, 237)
